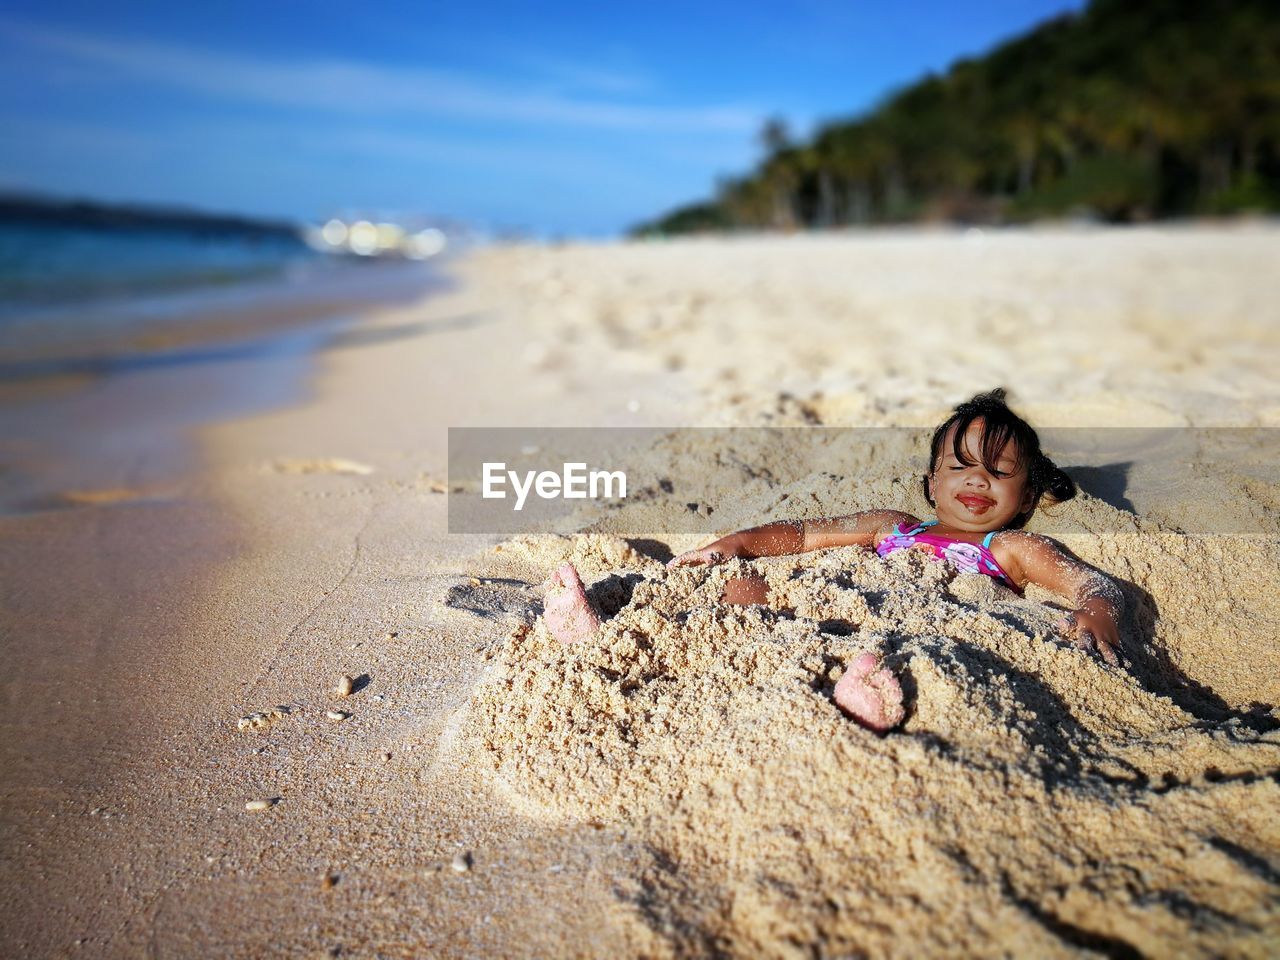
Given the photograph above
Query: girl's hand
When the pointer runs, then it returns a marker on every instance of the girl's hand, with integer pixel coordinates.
(707, 556)
(1092, 631)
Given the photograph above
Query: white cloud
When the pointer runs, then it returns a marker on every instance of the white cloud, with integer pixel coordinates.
(349, 86)
(586, 76)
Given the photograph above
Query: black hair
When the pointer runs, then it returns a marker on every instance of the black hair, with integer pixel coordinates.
(999, 426)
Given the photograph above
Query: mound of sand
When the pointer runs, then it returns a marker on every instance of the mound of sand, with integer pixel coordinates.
(1035, 802)
(1034, 798)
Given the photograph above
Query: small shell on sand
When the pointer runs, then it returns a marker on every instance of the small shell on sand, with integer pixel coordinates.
(345, 686)
(337, 716)
(329, 881)
(461, 863)
(255, 805)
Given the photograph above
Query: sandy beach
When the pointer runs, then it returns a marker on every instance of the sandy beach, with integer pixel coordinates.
(684, 786)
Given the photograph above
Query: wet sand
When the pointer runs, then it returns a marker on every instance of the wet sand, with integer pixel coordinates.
(686, 786)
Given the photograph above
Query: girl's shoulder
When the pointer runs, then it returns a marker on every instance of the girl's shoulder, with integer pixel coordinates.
(1018, 550)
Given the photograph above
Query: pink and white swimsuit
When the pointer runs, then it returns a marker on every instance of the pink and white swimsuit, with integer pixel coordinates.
(966, 557)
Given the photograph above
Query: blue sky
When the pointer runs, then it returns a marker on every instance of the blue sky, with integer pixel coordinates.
(559, 118)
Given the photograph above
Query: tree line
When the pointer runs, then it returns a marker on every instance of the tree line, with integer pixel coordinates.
(1125, 111)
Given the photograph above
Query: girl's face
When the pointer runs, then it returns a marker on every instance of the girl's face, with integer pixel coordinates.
(971, 497)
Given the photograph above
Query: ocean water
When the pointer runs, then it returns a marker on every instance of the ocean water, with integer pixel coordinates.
(43, 265)
(84, 299)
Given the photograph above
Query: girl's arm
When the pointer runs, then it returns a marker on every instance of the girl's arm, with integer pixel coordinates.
(1099, 603)
(795, 536)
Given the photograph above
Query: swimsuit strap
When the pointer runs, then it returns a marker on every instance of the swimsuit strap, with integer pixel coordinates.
(986, 541)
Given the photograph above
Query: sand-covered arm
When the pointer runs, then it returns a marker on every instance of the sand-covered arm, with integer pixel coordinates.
(1098, 600)
(795, 536)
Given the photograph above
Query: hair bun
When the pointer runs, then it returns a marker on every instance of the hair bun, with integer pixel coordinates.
(1060, 486)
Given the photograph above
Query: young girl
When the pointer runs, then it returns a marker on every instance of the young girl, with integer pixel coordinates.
(986, 477)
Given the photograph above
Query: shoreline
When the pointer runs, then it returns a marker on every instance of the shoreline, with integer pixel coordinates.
(114, 408)
(81, 334)
(113, 532)
(337, 569)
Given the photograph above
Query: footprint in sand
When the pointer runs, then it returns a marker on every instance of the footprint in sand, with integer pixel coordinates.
(322, 465)
(495, 598)
(261, 719)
